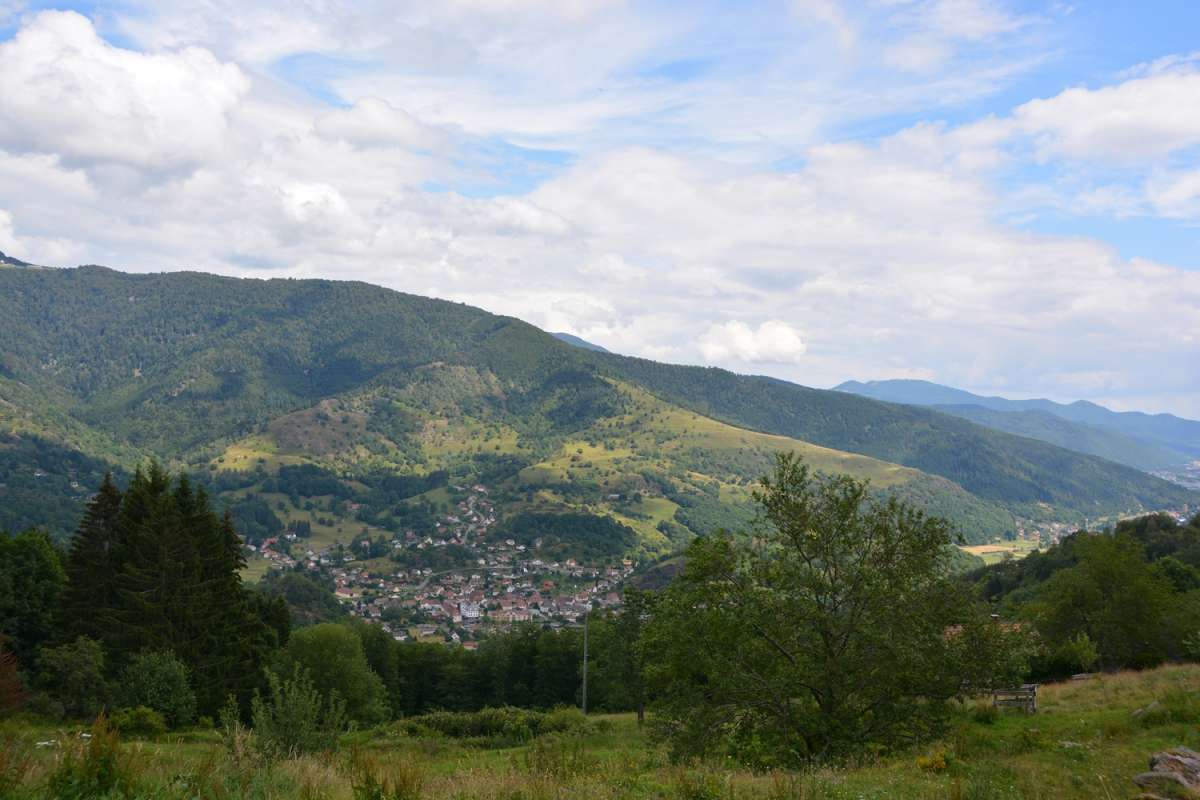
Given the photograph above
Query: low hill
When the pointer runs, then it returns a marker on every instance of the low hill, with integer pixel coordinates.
(237, 379)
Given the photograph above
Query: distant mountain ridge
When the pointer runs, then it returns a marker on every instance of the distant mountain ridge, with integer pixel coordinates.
(584, 344)
(223, 375)
(10, 261)
(1148, 441)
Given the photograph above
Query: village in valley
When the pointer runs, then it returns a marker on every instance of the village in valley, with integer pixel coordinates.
(503, 583)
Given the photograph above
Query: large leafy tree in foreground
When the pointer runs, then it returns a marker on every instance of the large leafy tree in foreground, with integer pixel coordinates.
(832, 628)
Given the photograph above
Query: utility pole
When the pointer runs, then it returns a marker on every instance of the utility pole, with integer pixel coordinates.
(585, 659)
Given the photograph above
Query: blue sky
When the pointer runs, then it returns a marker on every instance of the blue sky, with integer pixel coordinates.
(996, 194)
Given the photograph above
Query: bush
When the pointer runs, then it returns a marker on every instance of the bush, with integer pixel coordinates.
(139, 721)
(333, 657)
(74, 673)
(400, 782)
(157, 680)
(12, 688)
(92, 768)
(495, 727)
(295, 719)
(558, 756)
(937, 761)
(985, 712)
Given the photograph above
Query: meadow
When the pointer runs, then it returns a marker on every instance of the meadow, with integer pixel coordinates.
(1085, 742)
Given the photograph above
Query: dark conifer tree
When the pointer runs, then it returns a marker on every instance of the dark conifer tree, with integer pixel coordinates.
(92, 566)
(175, 585)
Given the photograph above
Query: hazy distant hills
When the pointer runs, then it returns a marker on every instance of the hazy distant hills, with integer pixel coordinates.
(9, 261)
(572, 339)
(236, 379)
(1146, 441)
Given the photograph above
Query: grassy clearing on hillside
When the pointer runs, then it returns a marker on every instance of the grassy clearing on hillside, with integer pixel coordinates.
(1085, 743)
(996, 551)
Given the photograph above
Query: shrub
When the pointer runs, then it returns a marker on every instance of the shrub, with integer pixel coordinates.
(334, 659)
(92, 768)
(399, 782)
(156, 679)
(985, 712)
(295, 718)
(495, 727)
(12, 688)
(15, 763)
(74, 674)
(557, 756)
(937, 761)
(139, 721)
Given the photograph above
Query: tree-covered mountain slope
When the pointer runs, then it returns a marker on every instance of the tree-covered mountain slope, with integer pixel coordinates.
(1161, 440)
(240, 379)
(1091, 439)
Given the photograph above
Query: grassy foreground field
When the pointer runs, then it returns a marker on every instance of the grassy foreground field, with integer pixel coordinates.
(1084, 743)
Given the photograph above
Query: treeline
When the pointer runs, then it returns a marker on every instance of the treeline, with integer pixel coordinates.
(152, 577)
(146, 610)
(1123, 598)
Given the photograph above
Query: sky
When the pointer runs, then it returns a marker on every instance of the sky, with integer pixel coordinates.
(999, 195)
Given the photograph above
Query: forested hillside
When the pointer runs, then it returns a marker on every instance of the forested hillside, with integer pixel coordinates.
(234, 379)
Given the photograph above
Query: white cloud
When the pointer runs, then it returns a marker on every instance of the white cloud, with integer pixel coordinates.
(1139, 119)
(831, 14)
(64, 90)
(372, 122)
(773, 342)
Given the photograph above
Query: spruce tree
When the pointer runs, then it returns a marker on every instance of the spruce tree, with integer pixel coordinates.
(157, 569)
(92, 567)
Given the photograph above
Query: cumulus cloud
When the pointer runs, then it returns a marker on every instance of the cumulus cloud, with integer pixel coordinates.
(773, 342)
(1142, 118)
(66, 91)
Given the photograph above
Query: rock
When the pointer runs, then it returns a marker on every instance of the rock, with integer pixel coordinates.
(1167, 782)
(1180, 761)
(1173, 773)
(1146, 709)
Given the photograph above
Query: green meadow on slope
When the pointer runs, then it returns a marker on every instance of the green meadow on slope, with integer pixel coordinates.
(1085, 742)
(217, 375)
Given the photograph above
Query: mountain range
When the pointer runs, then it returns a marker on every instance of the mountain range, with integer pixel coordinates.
(338, 403)
(1145, 441)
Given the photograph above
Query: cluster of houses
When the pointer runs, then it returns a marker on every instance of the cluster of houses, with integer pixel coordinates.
(503, 583)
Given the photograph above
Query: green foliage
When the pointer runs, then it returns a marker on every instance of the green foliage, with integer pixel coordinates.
(74, 674)
(495, 727)
(589, 537)
(195, 362)
(825, 634)
(1114, 597)
(332, 657)
(93, 768)
(154, 568)
(139, 721)
(1077, 653)
(295, 718)
(558, 756)
(159, 681)
(399, 782)
(31, 580)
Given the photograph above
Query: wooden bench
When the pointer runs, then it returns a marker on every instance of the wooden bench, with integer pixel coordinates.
(1022, 697)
